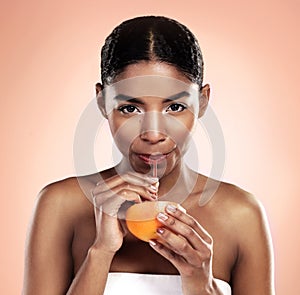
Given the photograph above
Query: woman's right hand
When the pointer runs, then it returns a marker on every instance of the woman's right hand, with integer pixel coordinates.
(108, 197)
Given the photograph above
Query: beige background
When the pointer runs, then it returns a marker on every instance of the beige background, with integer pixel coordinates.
(49, 64)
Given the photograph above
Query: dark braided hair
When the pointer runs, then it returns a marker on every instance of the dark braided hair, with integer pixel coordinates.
(151, 38)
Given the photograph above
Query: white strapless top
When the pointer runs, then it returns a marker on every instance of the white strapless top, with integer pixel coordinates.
(121, 283)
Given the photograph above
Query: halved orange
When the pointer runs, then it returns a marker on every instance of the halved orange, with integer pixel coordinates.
(141, 218)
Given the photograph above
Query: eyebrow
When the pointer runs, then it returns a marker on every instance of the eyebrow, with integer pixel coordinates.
(131, 99)
(128, 98)
(177, 96)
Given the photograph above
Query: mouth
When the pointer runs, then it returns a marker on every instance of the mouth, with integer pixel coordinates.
(154, 158)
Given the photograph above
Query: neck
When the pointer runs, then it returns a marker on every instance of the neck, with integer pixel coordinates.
(178, 184)
(175, 186)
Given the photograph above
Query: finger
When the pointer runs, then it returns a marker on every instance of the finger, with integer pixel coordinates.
(130, 177)
(144, 177)
(182, 229)
(179, 245)
(145, 192)
(117, 181)
(164, 251)
(101, 199)
(138, 178)
(190, 222)
(112, 205)
(126, 191)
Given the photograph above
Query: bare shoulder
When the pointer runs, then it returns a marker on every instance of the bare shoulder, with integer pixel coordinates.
(241, 211)
(237, 202)
(66, 198)
(70, 198)
(235, 209)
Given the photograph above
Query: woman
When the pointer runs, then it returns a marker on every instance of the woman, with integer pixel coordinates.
(151, 94)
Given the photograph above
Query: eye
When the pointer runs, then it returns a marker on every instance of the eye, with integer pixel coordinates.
(176, 107)
(128, 109)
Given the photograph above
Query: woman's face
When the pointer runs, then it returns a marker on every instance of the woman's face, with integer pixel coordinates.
(152, 108)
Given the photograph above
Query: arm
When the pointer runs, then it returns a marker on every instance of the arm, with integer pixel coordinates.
(188, 246)
(49, 262)
(91, 277)
(191, 250)
(253, 272)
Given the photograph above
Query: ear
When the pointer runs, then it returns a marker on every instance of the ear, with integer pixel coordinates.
(100, 99)
(203, 99)
(98, 88)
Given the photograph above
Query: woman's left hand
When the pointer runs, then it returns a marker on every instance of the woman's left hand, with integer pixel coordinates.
(189, 247)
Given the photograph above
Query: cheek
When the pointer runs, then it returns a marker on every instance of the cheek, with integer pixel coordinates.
(124, 132)
(180, 130)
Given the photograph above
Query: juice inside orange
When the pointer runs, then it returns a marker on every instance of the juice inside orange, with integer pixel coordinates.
(141, 219)
(144, 230)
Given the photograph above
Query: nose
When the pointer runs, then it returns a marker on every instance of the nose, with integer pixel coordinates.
(153, 128)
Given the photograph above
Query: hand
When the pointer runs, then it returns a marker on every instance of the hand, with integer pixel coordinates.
(188, 246)
(109, 197)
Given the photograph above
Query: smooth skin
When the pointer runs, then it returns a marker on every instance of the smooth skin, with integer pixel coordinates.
(228, 238)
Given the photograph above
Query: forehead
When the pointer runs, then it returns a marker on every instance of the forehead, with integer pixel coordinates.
(155, 79)
(150, 85)
(151, 68)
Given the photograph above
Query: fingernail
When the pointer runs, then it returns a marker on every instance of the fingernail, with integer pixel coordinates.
(162, 216)
(153, 196)
(152, 243)
(153, 179)
(171, 208)
(154, 188)
(160, 230)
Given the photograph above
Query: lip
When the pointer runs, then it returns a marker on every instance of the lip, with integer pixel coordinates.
(155, 157)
